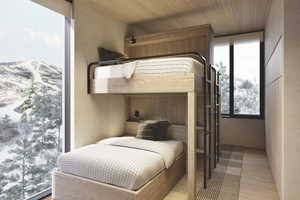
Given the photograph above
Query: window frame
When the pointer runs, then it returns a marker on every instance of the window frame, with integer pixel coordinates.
(231, 86)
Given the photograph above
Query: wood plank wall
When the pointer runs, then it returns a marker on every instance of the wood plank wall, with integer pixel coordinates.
(189, 39)
(171, 107)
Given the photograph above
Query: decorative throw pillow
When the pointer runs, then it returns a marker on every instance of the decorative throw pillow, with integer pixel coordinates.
(105, 54)
(153, 130)
(146, 130)
(162, 130)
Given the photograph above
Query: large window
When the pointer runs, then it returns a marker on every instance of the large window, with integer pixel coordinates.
(241, 76)
(32, 65)
(221, 55)
(247, 78)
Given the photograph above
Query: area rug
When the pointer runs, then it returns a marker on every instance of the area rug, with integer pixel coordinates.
(225, 181)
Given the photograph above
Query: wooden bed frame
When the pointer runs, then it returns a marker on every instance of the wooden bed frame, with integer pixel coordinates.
(145, 84)
(71, 187)
(191, 86)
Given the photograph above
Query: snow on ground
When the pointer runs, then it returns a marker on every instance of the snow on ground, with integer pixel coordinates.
(4, 151)
(9, 110)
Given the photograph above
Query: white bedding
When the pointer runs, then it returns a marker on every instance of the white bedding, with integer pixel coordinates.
(150, 66)
(123, 161)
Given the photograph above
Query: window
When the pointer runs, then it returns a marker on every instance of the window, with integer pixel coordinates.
(221, 55)
(241, 76)
(32, 97)
(247, 78)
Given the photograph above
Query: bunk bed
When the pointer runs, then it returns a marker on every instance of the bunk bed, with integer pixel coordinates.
(195, 124)
(192, 84)
(143, 84)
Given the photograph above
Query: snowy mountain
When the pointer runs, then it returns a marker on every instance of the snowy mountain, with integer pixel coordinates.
(17, 77)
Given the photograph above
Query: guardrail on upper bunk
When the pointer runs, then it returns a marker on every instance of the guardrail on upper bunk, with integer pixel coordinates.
(93, 65)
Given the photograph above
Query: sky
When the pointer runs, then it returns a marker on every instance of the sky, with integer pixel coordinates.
(29, 31)
(246, 59)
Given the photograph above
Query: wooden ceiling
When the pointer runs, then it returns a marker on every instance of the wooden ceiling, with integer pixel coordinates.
(225, 16)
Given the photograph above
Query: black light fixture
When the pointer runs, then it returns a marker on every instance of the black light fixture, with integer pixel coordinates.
(132, 40)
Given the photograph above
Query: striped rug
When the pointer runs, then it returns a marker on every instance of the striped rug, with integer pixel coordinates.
(225, 181)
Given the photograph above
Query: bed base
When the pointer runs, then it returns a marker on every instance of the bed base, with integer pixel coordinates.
(71, 187)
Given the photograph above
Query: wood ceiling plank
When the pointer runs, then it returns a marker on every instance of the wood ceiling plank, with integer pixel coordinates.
(226, 16)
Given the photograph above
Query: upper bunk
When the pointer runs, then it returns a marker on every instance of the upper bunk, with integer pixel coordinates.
(191, 43)
(169, 73)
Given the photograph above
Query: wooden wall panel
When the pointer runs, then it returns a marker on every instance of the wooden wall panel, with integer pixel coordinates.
(191, 39)
(170, 107)
(184, 45)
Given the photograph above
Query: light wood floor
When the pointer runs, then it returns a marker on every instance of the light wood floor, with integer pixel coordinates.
(256, 181)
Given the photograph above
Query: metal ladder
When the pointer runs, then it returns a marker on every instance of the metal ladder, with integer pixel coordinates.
(217, 117)
(207, 110)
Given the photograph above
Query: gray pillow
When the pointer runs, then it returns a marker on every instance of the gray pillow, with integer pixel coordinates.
(153, 130)
(162, 130)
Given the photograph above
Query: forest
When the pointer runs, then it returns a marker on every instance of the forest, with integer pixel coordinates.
(246, 93)
(31, 144)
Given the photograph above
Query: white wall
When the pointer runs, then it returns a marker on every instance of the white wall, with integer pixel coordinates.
(243, 132)
(95, 116)
(283, 96)
(292, 99)
(274, 44)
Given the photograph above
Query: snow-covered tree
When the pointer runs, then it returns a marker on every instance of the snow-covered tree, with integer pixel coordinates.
(246, 93)
(31, 162)
(224, 87)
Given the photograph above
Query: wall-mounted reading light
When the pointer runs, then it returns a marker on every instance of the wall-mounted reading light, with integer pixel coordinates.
(132, 40)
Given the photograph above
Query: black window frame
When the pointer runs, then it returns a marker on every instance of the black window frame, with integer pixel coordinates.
(231, 86)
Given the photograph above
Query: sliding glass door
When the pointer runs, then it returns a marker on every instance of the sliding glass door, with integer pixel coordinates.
(32, 66)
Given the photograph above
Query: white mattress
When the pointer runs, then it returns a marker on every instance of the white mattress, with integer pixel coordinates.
(151, 67)
(126, 162)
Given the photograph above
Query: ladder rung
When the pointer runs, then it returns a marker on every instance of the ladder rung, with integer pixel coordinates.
(208, 106)
(201, 133)
(208, 81)
(199, 128)
(200, 151)
(207, 156)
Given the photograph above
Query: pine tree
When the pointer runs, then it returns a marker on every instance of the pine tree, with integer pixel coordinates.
(6, 122)
(7, 129)
(47, 112)
(246, 93)
(28, 170)
(19, 166)
(3, 181)
(225, 87)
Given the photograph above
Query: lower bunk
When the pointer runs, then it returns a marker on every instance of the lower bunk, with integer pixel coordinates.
(85, 173)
